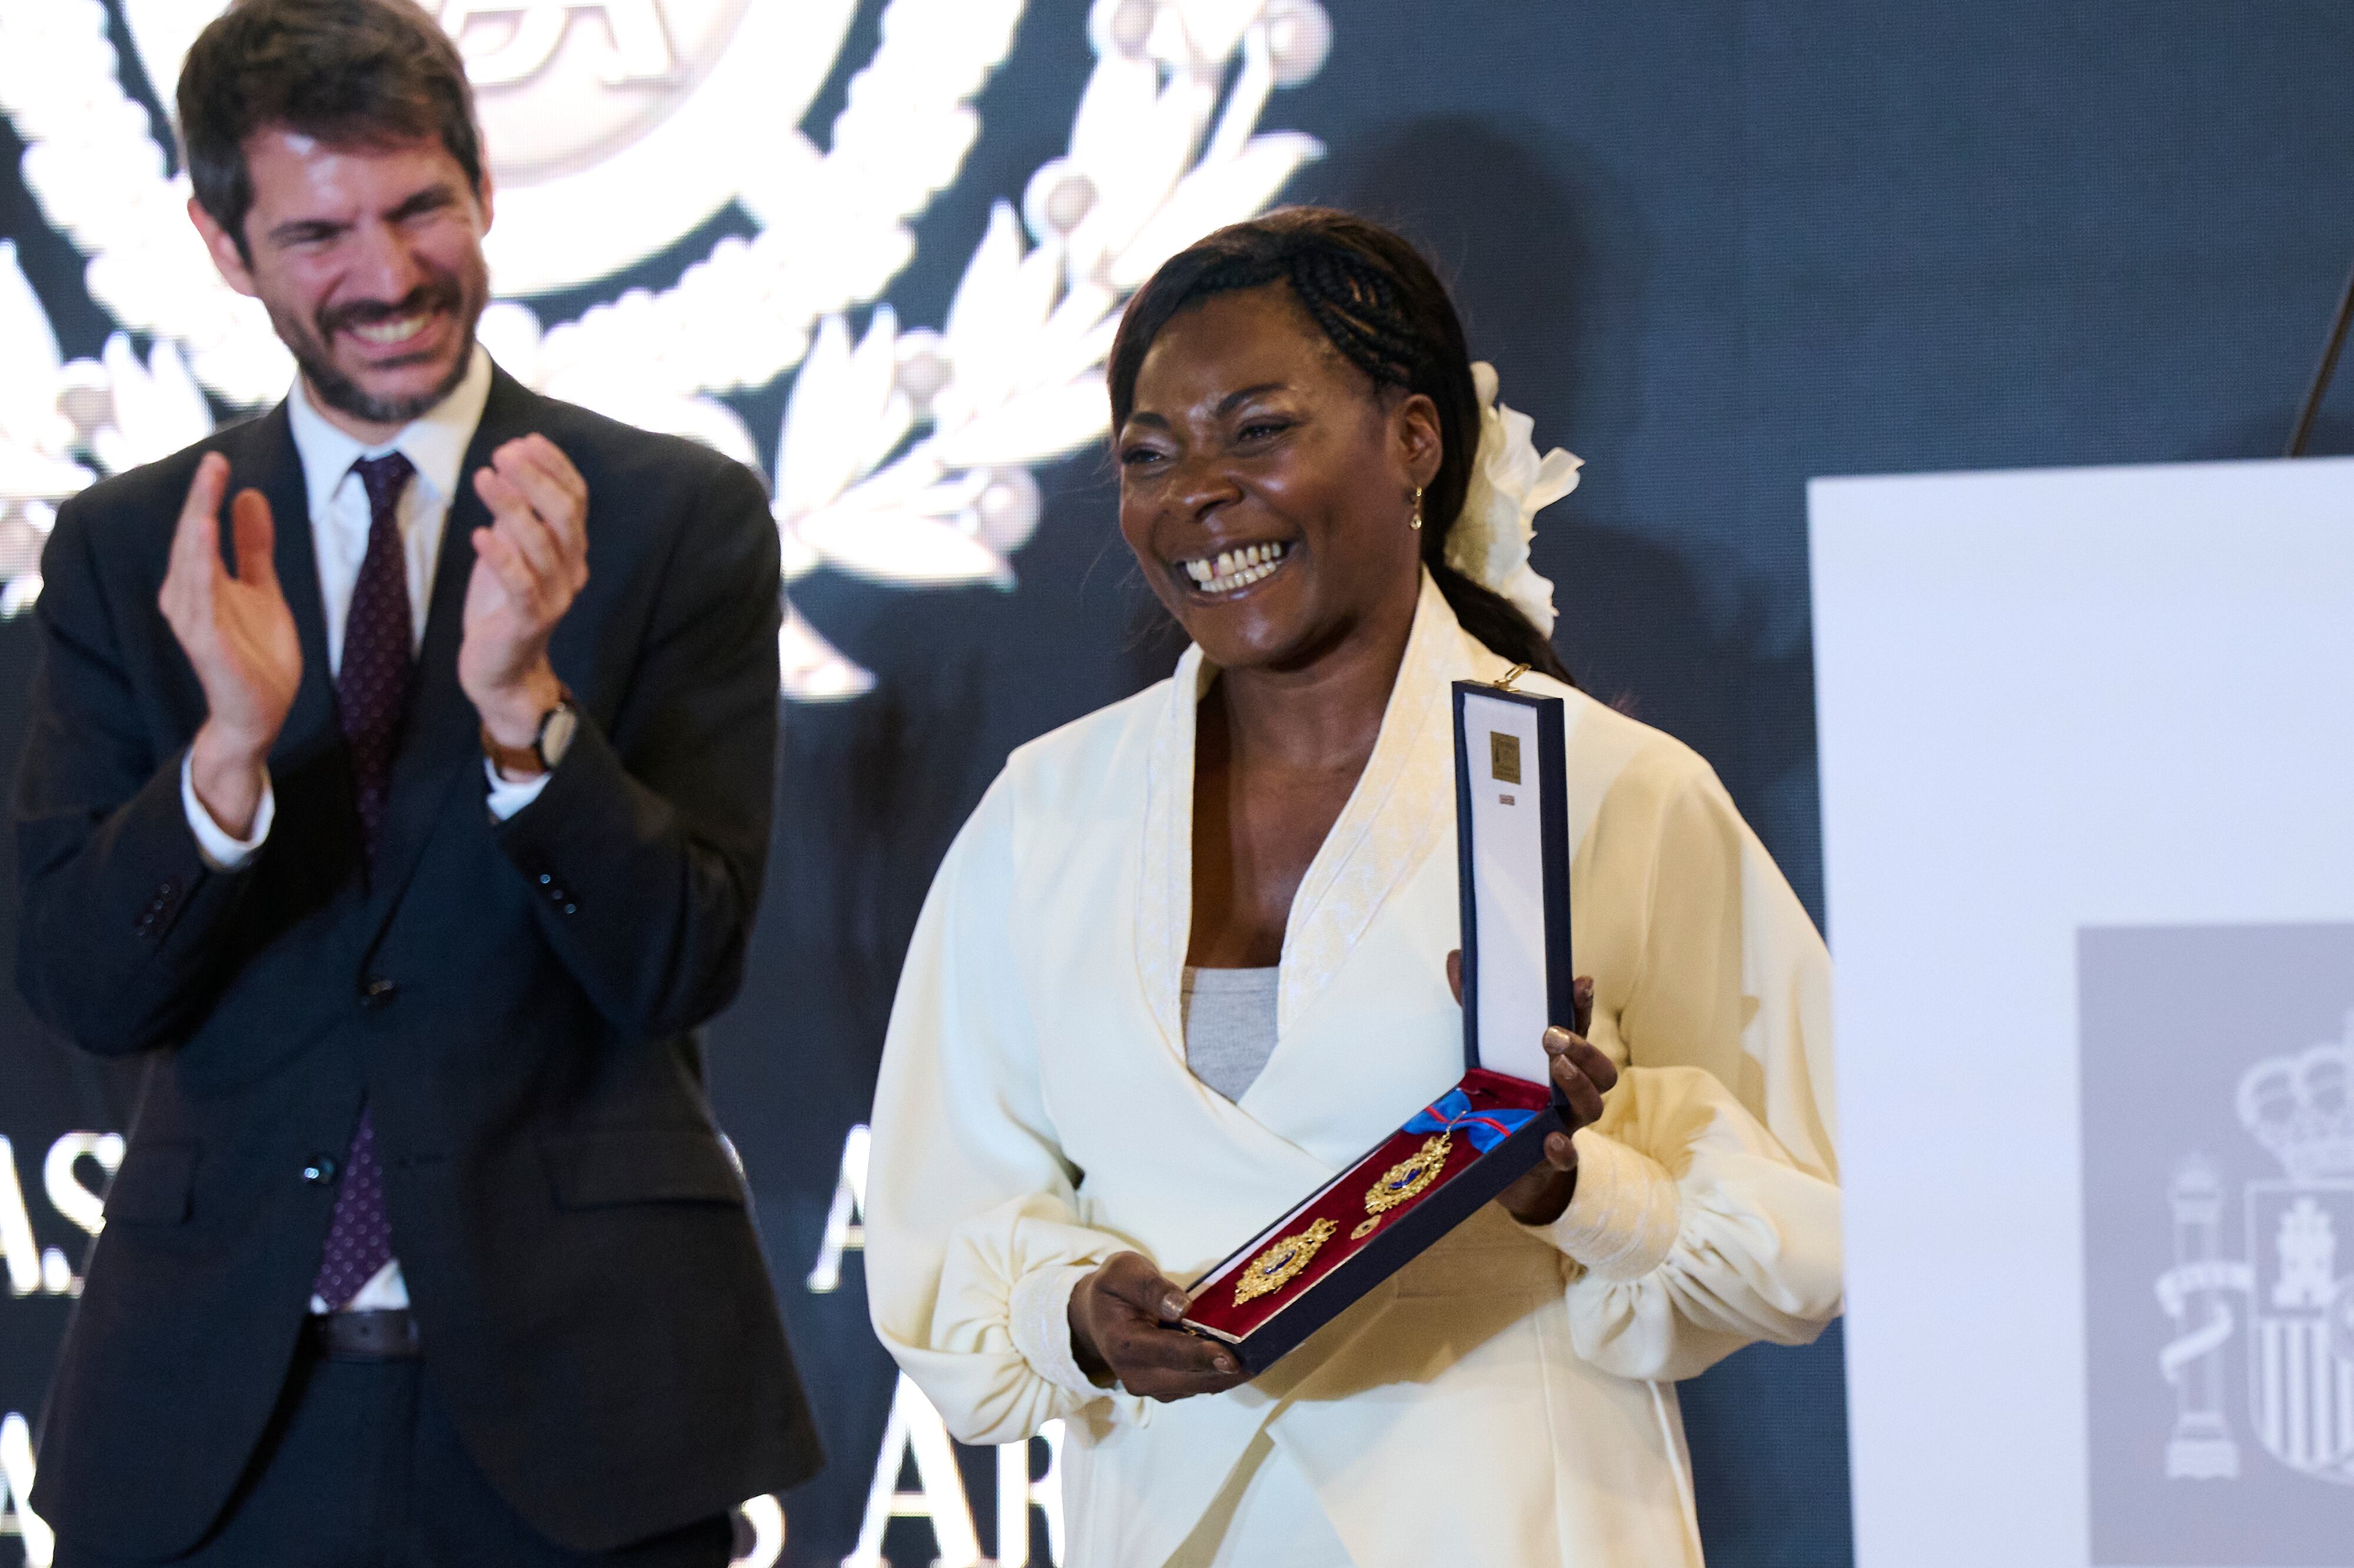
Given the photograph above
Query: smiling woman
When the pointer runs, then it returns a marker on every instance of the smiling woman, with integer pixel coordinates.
(1296, 421)
(1343, 316)
(1268, 487)
(1189, 959)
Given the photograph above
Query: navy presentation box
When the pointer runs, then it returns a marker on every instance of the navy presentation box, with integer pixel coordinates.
(1464, 1148)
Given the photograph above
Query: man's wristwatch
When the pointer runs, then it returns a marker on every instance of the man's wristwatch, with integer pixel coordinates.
(556, 728)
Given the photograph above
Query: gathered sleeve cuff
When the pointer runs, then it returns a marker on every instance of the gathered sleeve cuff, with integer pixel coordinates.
(1038, 1320)
(1698, 1233)
(1706, 1214)
(997, 1357)
(1621, 1221)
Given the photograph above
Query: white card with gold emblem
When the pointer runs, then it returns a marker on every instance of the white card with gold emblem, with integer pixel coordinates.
(1512, 828)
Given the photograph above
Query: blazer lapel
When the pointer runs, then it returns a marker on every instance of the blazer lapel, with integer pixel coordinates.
(1400, 813)
(441, 745)
(267, 460)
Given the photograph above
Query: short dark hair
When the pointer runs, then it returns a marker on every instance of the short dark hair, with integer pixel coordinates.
(347, 72)
(1372, 294)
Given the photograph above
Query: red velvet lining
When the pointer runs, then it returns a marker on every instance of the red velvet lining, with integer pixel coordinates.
(1343, 1203)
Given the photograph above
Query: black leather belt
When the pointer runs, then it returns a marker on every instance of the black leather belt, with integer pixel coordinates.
(362, 1335)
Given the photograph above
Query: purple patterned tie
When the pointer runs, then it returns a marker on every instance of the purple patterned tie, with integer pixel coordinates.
(371, 685)
(371, 691)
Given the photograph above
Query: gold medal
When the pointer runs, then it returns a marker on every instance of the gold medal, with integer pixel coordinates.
(1409, 1176)
(1281, 1264)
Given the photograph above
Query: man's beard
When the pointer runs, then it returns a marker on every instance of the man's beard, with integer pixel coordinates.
(309, 341)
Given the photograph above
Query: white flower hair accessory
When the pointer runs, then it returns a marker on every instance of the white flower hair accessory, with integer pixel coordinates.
(1509, 485)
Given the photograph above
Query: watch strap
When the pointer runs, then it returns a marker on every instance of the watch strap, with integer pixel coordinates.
(510, 760)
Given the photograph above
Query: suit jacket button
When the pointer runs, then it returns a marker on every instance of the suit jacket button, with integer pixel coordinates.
(377, 991)
(320, 1169)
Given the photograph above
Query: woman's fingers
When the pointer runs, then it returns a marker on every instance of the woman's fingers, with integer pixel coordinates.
(1128, 1277)
(1582, 1071)
(1143, 1347)
(1581, 996)
(1597, 1066)
(1584, 1100)
(1588, 1060)
(1140, 1343)
(1168, 1363)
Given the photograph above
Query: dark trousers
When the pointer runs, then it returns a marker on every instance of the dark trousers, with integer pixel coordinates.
(361, 1468)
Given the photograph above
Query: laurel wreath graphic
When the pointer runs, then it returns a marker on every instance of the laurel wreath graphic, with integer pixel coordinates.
(906, 454)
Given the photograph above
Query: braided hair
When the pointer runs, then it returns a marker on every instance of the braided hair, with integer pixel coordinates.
(1382, 308)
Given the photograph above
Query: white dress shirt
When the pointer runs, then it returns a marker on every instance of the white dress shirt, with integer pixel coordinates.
(435, 444)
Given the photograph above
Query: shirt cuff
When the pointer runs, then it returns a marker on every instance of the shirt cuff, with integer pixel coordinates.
(1038, 1317)
(507, 797)
(215, 847)
(1622, 1219)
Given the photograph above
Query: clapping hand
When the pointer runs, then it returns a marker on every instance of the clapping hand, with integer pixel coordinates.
(1123, 1321)
(239, 635)
(1583, 1074)
(530, 564)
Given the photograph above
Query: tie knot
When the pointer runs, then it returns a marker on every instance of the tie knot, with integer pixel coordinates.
(384, 477)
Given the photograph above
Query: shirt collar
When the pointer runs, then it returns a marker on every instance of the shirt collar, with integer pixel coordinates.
(435, 441)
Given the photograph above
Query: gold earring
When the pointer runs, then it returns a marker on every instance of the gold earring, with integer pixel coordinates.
(1416, 524)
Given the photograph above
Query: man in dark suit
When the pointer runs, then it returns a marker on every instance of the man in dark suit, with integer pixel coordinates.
(410, 852)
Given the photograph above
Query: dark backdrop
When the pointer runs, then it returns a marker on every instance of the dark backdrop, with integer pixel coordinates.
(1716, 247)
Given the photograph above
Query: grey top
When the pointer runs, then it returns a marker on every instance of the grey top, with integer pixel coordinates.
(1229, 1027)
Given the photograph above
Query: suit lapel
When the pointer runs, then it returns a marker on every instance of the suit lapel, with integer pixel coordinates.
(268, 461)
(441, 745)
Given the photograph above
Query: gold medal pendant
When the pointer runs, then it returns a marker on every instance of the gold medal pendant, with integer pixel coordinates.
(1409, 1176)
(1281, 1264)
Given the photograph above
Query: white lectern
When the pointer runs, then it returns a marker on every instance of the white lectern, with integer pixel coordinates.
(2087, 753)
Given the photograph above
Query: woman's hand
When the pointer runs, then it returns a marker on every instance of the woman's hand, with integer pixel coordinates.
(1123, 1326)
(1583, 1074)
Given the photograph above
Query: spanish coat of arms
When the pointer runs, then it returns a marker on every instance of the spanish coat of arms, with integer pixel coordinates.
(2289, 1302)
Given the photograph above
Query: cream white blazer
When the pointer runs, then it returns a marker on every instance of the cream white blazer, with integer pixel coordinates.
(1506, 1399)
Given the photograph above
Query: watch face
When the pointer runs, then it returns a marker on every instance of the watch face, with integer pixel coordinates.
(556, 734)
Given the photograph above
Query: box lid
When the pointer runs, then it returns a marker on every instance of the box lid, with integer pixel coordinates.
(1512, 834)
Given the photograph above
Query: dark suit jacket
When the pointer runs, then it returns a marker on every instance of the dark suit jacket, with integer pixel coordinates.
(515, 1002)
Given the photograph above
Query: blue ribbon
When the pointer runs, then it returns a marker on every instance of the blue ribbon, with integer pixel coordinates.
(1453, 1113)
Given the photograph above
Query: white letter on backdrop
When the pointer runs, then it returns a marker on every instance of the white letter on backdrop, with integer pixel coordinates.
(845, 1223)
(914, 1424)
